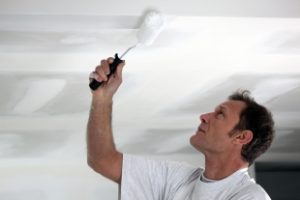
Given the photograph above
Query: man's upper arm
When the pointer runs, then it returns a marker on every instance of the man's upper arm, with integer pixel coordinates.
(110, 167)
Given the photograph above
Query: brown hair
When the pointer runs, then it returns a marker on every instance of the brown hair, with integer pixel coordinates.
(257, 119)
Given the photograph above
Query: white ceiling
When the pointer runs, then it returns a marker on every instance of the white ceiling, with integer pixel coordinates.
(208, 50)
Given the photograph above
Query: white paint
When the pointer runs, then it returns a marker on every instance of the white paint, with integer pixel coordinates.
(77, 39)
(38, 94)
(254, 8)
(274, 87)
(8, 142)
(174, 143)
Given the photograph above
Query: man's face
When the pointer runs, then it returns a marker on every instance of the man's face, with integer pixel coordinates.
(213, 133)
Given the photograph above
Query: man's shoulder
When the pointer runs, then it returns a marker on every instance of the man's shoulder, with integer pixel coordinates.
(169, 166)
(253, 191)
(159, 161)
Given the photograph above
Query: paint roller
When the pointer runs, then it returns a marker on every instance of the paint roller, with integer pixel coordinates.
(150, 28)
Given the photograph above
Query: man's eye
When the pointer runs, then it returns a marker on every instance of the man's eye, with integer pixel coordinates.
(220, 114)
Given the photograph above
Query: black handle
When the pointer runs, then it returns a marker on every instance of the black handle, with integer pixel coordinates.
(113, 66)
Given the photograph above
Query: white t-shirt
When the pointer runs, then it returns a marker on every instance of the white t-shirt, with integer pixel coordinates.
(146, 179)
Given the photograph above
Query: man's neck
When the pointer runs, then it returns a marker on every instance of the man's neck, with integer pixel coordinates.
(217, 168)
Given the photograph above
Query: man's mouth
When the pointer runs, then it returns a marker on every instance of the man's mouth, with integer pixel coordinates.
(201, 130)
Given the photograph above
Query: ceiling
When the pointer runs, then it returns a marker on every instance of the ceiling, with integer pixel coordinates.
(207, 50)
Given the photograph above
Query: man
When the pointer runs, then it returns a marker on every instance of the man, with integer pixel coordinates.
(231, 137)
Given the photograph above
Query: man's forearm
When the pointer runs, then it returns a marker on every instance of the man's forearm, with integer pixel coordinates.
(100, 141)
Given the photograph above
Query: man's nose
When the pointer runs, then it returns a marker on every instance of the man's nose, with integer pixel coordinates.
(205, 117)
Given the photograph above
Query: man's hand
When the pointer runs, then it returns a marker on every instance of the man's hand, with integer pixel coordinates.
(110, 84)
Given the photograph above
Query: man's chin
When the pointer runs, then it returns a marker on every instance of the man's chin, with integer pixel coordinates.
(194, 143)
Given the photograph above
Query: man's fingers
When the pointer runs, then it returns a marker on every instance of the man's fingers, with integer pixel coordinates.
(120, 69)
(110, 60)
(93, 75)
(100, 71)
(105, 64)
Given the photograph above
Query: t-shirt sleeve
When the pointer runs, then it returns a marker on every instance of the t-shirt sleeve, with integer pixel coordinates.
(149, 179)
(252, 192)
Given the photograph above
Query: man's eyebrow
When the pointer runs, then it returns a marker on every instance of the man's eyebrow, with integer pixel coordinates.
(222, 107)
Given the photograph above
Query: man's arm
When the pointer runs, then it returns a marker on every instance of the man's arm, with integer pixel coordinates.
(102, 155)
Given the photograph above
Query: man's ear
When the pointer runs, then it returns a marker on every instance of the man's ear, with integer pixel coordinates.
(244, 137)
